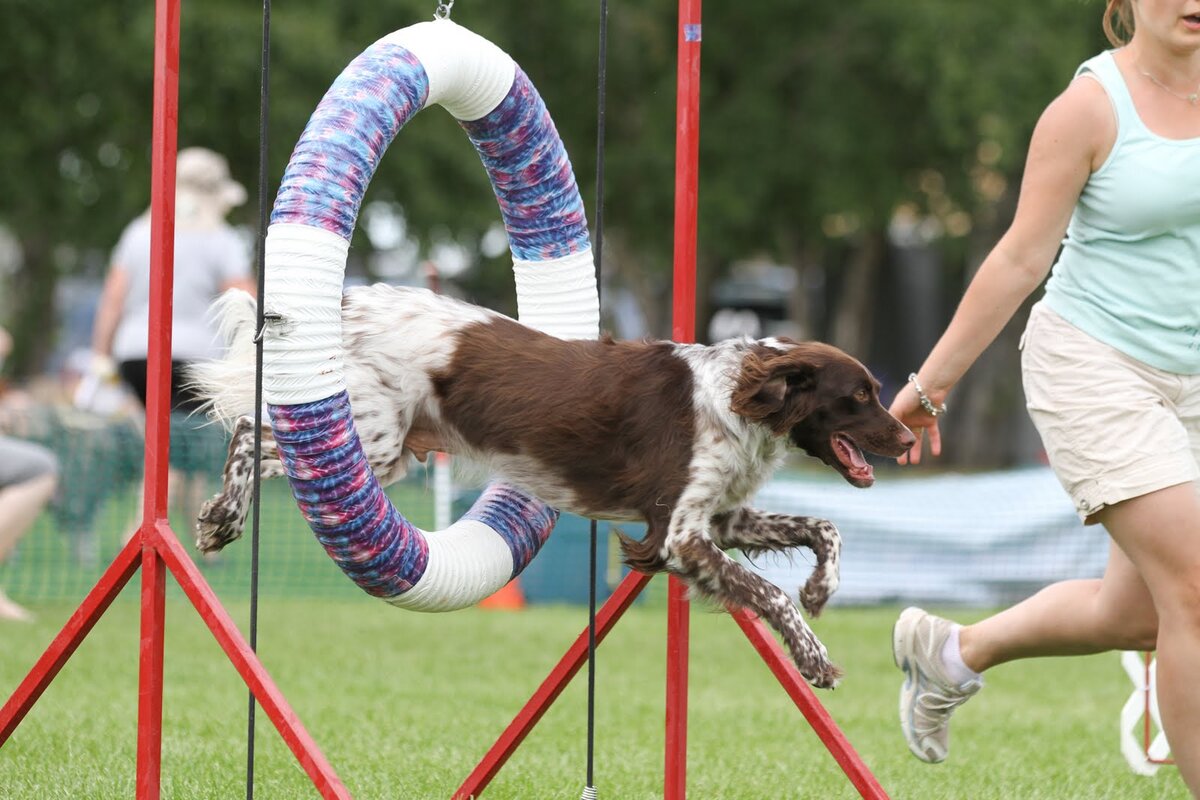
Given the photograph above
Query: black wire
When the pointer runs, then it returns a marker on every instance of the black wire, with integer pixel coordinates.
(598, 251)
(264, 100)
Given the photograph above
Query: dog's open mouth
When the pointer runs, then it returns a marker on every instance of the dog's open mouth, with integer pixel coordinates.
(854, 466)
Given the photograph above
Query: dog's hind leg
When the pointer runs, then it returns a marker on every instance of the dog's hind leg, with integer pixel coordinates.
(754, 532)
(222, 517)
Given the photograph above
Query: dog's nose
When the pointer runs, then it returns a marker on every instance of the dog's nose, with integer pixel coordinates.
(907, 439)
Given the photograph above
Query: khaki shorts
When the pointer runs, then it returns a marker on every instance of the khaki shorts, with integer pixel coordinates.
(1113, 427)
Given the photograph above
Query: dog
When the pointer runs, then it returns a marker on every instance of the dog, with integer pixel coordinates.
(679, 436)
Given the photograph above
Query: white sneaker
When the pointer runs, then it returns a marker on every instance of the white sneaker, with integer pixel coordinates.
(928, 697)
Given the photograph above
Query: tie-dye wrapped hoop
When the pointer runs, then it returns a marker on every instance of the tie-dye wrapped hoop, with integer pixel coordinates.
(314, 215)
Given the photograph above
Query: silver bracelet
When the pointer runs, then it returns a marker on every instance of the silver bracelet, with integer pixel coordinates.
(926, 403)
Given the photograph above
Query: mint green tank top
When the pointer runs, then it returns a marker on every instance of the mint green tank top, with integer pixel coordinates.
(1129, 270)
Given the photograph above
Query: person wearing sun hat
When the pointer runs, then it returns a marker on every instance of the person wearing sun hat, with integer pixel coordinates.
(204, 190)
(210, 258)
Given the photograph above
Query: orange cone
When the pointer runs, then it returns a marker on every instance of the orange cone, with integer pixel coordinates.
(508, 598)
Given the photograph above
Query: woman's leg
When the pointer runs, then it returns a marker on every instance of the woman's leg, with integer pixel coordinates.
(1160, 532)
(1075, 617)
(938, 657)
(20, 505)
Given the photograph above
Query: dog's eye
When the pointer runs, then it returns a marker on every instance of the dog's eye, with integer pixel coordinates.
(862, 396)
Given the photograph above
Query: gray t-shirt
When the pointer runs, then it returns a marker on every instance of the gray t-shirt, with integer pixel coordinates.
(22, 461)
(205, 261)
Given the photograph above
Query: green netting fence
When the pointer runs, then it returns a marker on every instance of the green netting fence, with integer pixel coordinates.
(972, 539)
(99, 503)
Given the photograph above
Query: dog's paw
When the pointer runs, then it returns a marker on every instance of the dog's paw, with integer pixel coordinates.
(813, 599)
(825, 675)
(218, 523)
(816, 593)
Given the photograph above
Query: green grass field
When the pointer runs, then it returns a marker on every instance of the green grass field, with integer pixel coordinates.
(404, 704)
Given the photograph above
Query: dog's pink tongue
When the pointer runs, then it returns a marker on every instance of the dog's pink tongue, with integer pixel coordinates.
(849, 454)
(865, 473)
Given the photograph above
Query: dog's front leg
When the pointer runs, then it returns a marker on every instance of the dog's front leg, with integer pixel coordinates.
(222, 517)
(694, 557)
(753, 532)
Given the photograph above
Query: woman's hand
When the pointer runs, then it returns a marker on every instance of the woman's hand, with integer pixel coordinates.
(906, 407)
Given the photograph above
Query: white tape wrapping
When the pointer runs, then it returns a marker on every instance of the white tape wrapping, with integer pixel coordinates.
(559, 297)
(467, 562)
(305, 269)
(302, 347)
(468, 75)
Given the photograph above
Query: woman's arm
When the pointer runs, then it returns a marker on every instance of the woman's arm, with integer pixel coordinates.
(109, 310)
(1072, 138)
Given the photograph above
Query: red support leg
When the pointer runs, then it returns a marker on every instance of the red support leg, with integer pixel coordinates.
(246, 662)
(551, 687)
(818, 718)
(69, 638)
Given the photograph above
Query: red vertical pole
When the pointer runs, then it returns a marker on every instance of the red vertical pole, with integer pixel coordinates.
(687, 158)
(675, 768)
(150, 681)
(162, 258)
(687, 168)
(158, 393)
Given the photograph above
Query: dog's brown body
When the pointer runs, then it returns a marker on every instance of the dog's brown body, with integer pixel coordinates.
(680, 436)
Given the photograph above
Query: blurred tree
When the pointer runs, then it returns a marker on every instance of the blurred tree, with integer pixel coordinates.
(818, 122)
(74, 97)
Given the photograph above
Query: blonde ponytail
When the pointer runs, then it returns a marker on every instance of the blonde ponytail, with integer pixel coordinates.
(1120, 11)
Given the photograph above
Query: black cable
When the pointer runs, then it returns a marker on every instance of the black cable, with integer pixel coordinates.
(264, 104)
(589, 791)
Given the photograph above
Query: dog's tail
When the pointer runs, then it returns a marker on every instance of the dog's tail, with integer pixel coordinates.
(643, 556)
(226, 385)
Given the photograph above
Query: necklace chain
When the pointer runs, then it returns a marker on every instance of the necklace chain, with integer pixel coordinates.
(1193, 98)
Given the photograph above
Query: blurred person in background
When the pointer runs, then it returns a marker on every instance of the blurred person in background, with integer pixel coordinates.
(1111, 371)
(28, 478)
(210, 258)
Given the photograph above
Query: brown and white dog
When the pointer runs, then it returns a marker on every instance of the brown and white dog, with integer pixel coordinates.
(677, 435)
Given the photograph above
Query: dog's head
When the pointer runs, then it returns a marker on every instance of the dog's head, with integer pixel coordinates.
(823, 401)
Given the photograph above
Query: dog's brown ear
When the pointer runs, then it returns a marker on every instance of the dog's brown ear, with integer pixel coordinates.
(760, 390)
(769, 387)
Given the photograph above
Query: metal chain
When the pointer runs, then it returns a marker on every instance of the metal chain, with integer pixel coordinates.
(443, 10)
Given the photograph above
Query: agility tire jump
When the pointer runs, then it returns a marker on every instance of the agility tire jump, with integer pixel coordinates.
(313, 218)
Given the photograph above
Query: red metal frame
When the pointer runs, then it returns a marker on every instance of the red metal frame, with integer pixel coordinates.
(687, 158)
(155, 548)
